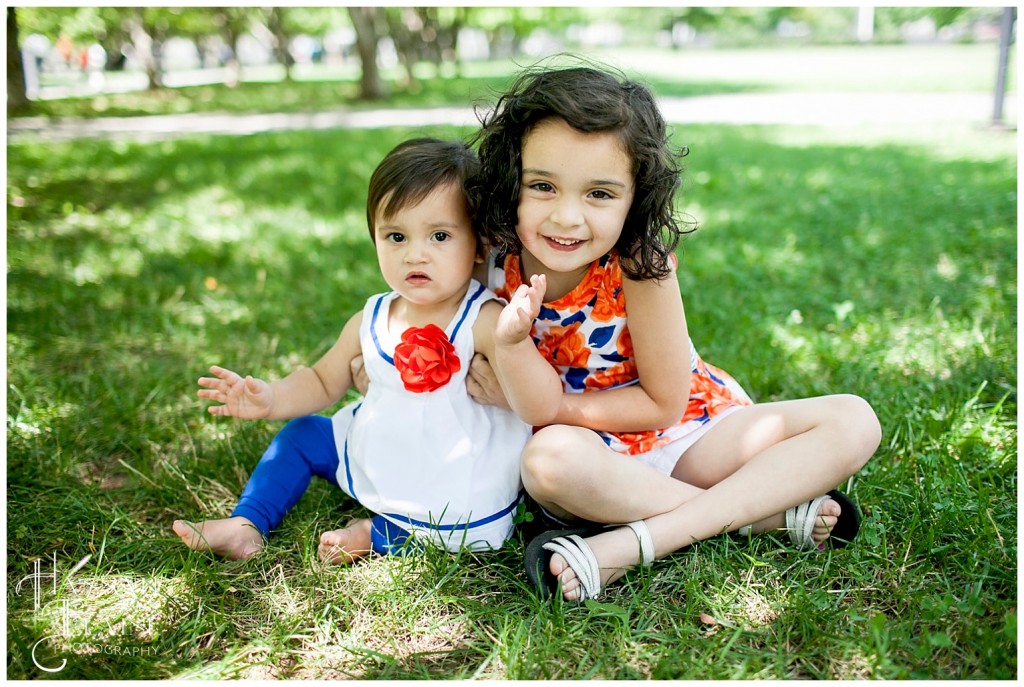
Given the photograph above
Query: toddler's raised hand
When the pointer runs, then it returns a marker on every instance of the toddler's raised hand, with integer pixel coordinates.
(516, 319)
(243, 397)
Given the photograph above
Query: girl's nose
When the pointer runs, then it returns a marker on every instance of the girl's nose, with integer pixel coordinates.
(567, 213)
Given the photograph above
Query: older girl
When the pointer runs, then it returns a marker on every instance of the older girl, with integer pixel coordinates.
(576, 193)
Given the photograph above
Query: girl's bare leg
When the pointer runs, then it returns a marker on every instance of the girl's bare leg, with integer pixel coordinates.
(234, 538)
(572, 473)
(347, 545)
(766, 459)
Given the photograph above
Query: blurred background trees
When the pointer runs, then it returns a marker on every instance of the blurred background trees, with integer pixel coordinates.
(89, 42)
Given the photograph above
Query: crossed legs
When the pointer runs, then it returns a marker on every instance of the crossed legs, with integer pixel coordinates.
(749, 468)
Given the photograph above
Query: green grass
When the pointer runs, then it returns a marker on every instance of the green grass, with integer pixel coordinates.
(825, 262)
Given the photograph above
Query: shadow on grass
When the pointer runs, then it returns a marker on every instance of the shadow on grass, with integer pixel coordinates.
(880, 271)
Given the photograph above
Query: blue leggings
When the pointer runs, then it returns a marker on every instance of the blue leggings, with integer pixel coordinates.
(303, 448)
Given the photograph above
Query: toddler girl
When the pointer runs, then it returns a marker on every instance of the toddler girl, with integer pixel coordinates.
(417, 450)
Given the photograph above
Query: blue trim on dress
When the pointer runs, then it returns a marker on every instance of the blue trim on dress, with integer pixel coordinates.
(446, 528)
(376, 312)
(344, 451)
(465, 312)
(373, 330)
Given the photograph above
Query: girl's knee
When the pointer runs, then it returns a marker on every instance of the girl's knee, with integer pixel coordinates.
(549, 458)
(859, 425)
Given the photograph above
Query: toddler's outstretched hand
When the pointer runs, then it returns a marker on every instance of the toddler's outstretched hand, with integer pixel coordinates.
(516, 319)
(243, 397)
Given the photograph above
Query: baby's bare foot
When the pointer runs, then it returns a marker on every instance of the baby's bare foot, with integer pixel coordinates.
(345, 546)
(234, 538)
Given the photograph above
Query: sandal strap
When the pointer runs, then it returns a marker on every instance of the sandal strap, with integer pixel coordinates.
(580, 557)
(578, 554)
(639, 528)
(800, 521)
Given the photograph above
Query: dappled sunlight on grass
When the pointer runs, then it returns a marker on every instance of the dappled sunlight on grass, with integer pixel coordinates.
(783, 258)
(379, 612)
(127, 606)
(24, 420)
(933, 348)
(286, 600)
(747, 603)
(823, 252)
(788, 337)
(941, 141)
(96, 621)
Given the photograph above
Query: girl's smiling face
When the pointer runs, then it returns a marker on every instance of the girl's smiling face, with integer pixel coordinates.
(576, 191)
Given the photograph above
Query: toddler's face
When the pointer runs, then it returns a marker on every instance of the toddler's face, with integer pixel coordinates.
(427, 251)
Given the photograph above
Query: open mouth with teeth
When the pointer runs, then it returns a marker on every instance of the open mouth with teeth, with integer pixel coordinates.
(562, 244)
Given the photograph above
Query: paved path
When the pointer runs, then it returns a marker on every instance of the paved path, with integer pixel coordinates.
(820, 109)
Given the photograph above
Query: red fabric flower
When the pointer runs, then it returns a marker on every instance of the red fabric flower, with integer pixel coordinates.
(425, 359)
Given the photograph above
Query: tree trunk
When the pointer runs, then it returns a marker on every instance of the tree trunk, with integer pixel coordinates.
(456, 27)
(147, 49)
(405, 42)
(1005, 40)
(17, 98)
(364, 19)
(275, 22)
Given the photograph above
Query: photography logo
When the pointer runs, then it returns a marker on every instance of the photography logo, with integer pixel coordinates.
(46, 582)
(52, 582)
(37, 577)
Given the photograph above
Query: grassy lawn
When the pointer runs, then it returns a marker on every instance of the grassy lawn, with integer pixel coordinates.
(823, 264)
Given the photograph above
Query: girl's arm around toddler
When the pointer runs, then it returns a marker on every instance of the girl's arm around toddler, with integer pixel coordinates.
(305, 391)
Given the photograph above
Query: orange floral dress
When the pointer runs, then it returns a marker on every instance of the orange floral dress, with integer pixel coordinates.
(585, 338)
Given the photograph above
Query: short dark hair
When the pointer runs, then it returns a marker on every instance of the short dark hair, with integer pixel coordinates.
(415, 168)
(592, 101)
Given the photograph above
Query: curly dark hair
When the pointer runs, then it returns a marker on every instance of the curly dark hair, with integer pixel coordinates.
(591, 101)
(415, 168)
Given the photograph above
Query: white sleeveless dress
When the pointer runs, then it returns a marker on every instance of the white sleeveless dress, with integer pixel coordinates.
(434, 463)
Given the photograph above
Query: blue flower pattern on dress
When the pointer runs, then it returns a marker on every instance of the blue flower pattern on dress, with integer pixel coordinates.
(585, 338)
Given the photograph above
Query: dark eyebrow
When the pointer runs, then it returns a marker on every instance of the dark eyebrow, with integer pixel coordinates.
(608, 182)
(534, 170)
